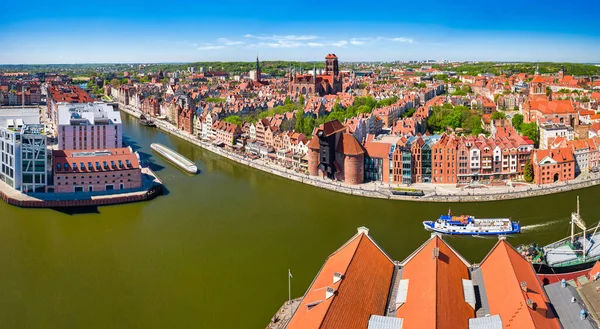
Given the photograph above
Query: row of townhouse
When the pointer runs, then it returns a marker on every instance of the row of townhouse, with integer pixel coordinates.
(445, 159)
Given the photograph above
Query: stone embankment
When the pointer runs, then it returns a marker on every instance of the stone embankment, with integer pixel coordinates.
(152, 188)
(377, 190)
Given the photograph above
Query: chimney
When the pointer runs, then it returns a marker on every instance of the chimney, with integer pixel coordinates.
(330, 292)
(337, 276)
(435, 252)
(530, 304)
(524, 286)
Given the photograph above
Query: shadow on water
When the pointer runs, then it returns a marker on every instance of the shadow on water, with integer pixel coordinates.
(131, 143)
(148, 159)
(165, 191)
(77, 210)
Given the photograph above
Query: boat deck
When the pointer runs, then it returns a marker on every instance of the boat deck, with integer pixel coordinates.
(561, 254)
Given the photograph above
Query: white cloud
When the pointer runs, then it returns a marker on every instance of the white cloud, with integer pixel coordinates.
(315, 44)
(357, 42)
(229, 42)
(211, 47)
(282, 37)
(341, 43)
(403, 39)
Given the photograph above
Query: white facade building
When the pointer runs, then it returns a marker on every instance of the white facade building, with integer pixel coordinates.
(553, 130)
(23, 154)
(89, 126)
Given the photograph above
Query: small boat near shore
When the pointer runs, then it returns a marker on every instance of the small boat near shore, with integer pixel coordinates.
(469, 225)
(174, 157)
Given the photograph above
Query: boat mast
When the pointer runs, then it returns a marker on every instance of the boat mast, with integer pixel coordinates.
(576, 220)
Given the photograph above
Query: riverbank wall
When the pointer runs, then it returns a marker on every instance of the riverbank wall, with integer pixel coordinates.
(375, 190)
(80, 199)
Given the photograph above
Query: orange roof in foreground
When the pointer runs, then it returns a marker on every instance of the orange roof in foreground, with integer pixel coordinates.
(363, 290)
(435, 297)
(503, 271)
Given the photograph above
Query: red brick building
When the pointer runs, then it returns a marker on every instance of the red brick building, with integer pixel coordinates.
(553, 165)
(329, 83)
(336, 154)
(151, 107)
(185, 120)
(226, 133)
(96, 171)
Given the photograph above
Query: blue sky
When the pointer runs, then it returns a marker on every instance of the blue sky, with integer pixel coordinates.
(181, 31)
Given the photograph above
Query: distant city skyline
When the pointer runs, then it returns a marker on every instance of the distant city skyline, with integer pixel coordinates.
(150, 31)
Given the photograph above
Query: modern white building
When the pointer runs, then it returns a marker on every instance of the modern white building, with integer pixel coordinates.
(23, 154)
(89, 126)
(552, 130)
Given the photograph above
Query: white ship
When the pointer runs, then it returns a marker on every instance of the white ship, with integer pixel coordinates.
(469, 225)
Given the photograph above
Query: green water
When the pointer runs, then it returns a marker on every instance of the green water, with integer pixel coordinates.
(215, 251)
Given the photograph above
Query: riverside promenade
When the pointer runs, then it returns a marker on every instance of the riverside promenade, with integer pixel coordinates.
(432, 192)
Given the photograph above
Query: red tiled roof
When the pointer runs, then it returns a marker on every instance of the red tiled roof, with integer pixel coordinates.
(332, 127)
(538, 79)
(503, 271)
(66, 158)
(560, 155)
(435, 290)
(69, 94)
(348, 145)
(366, 278)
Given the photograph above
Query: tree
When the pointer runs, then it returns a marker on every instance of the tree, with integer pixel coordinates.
(287, 101)
(528, 171)
(364, 109)
(498, 115)
(115, 82)
(309, 125)
(409, 113)
(421, 85)
(530, 130)
(235, 119)
(301, 100)
(299, 120)
(548, 91)
(517, 121)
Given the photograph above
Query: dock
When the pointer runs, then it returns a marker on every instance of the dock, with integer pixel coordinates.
(174, 157)
(283, 316)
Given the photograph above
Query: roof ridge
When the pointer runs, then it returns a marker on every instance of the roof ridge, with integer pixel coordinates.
(507, 246)
(342, 281)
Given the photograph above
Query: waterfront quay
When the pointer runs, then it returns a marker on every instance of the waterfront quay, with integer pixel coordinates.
(150, 189)
(431, 192)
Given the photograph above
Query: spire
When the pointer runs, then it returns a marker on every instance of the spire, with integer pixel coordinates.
(315, 71)
(537, 69)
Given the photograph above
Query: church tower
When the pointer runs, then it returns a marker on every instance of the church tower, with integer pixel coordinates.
(331, 65)
(537, 86)
(257, 78)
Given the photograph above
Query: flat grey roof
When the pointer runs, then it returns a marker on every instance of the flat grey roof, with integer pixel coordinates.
(568, 313)
(28, 115)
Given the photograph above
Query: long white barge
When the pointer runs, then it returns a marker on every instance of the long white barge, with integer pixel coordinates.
(174, 157)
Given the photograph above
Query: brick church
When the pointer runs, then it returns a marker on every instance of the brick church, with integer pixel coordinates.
(329, 83)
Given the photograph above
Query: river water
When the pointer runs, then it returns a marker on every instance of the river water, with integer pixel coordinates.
(215, 250)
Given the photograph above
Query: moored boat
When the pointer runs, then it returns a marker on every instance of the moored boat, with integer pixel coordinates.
(176, 158)
(469, 225)
(575, 253)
